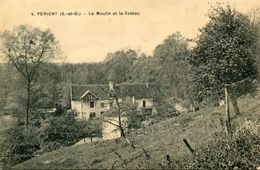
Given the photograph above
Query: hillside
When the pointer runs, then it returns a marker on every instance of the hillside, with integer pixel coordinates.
(5, 123)
(157, 140)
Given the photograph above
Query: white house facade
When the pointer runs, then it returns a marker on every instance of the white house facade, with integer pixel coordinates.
(94, 100)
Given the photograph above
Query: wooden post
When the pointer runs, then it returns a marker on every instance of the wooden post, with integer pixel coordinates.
(188, 146)
(228, 122)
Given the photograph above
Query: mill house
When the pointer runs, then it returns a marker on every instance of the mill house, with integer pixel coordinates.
(92, 101)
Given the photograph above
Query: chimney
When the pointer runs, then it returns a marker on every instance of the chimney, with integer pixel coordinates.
(111, 85)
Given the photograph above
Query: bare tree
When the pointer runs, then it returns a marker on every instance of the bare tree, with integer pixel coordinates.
(120, 109)
(26, 48)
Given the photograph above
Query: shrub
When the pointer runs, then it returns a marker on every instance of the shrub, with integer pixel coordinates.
(135, 120)
(241, 152)
(46, 133)
(91, 128)
(57, 131)
(19, 145)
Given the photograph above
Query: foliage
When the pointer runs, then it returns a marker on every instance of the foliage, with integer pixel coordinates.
(158, 140)
(135, 120)
(118, 65)
(91, 128)
(27, 48)
(57, 131)
(84, 73)
(254, 15)
(19, 145)
(223, 53)
(129, 111)
(242, 152)
(47, 132)
(173, 68)
(168, 68)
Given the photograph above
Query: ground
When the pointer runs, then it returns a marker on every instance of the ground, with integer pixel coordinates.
(156, 141)
(5, 123)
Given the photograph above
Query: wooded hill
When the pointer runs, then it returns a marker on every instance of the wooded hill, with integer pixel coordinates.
(225, 55)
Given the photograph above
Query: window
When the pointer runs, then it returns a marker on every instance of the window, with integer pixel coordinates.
(102, 104)
(91, 104)
(144, 103)
(90, 97)
(92, 115)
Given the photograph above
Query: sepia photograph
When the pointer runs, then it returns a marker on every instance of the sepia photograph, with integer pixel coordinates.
(130, 84)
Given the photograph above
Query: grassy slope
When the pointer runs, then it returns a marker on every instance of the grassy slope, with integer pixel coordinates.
(5, 123)
(158, 140)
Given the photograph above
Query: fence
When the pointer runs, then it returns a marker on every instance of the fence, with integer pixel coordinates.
(241, 98)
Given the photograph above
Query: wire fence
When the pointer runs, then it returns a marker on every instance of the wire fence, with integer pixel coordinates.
(242, 98)
(245, 94)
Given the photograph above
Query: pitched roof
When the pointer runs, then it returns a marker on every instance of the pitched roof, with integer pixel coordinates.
(99, 90)
(87, 92)
(139, 90)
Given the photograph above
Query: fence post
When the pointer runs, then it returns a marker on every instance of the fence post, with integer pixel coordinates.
(188, 146)
(228, 121)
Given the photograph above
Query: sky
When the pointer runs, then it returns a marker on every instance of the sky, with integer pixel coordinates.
(88, 38)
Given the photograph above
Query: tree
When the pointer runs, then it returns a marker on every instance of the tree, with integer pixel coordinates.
(60, 130)
(118, 64)
(120, 110)
(223, 54)
(26, 48)
(91, 128)
(254, 16)
(172, 66)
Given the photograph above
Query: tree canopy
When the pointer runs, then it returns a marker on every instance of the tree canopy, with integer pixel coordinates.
(224, 52)
(118, 64)
(26, 48)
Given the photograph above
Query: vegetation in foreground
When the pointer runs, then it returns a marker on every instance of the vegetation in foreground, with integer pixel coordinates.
(161, 145)
(227, 51)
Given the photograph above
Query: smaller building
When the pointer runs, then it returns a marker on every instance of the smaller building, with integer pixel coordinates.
(94, 100)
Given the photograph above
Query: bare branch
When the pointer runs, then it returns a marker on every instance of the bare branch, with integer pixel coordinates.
(111, 123)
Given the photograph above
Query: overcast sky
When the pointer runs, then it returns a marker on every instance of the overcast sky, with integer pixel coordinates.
(89, 38)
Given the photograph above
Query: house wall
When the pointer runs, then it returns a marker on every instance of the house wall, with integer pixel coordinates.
(76, 105)
(84, 108)
(98, 109)
(111, 131)
(149, 103)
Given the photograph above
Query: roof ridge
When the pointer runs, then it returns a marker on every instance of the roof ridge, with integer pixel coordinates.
(121, 84)
(101, 90)
(90, 85)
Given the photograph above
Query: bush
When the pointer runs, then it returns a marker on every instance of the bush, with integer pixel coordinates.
(19, 145)
(91, 128)
(135, 120)
(46, 133)
(242, 152)
(57, 131)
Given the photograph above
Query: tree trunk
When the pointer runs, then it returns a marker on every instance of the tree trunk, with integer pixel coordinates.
(120, 120)
(28, 103)
(234, 103)
(122, 132)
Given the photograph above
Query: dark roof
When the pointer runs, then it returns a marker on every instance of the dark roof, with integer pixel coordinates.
(140, 91)
(99, 90)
